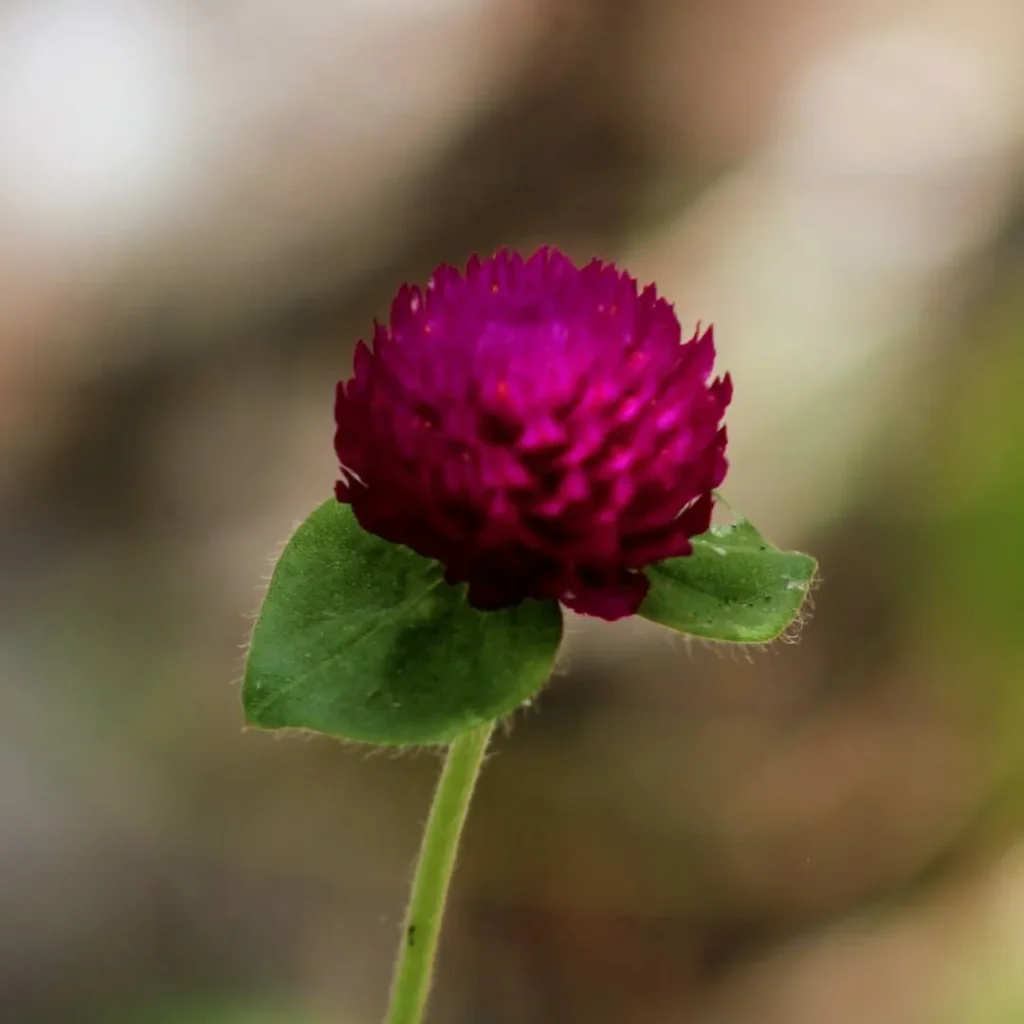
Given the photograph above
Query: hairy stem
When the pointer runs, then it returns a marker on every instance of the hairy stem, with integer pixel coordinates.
(410, 985)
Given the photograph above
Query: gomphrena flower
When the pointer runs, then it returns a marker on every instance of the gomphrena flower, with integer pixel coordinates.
(538, 428)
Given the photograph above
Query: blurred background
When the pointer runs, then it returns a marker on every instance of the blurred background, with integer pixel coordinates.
(202, 207)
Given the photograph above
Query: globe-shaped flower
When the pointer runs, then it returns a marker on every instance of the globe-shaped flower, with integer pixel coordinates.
(540, 429)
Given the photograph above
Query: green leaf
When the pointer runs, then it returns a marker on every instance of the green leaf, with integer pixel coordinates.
(363, 640)
(734, 587)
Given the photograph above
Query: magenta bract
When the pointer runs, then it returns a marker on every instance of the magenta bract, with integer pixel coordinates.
(540, 429)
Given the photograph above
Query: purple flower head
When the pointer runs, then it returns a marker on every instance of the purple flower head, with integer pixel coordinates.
(538, 428)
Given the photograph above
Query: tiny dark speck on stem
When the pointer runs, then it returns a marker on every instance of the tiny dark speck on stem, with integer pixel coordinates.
(410, 936)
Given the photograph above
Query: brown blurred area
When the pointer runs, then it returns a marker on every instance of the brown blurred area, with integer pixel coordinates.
(202, 207)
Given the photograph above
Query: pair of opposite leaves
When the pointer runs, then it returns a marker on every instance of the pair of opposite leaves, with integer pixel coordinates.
(362, 639)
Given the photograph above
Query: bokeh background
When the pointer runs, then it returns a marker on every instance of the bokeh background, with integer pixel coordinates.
(203, 205)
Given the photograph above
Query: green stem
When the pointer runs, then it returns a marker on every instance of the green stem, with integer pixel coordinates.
(410, 985)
